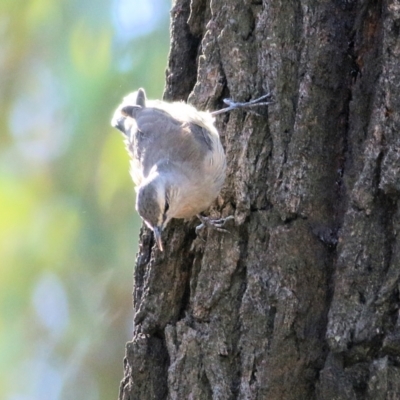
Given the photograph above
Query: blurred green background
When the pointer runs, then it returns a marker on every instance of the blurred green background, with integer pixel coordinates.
(68, 228)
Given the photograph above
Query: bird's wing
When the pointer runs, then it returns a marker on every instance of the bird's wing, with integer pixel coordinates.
(158, 137)
(201, 135)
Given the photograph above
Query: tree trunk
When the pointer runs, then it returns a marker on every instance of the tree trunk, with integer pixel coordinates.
(300, 300)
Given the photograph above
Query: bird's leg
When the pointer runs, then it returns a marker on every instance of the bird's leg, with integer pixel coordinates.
(216, 224)
(261, 101)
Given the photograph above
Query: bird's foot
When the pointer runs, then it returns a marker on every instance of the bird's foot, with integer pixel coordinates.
(216, 224)
(261, 101)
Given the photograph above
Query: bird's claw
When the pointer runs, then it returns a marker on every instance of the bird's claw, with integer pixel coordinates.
(215, 224)
(232, 105)
(258, 101)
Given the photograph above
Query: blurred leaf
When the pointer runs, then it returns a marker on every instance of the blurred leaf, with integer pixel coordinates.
(39, 12)
(90, 51)
(113, 173)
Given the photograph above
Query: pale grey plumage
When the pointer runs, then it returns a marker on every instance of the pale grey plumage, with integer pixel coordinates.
(177, 160)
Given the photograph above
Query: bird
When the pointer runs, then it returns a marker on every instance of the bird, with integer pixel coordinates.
(177, 162)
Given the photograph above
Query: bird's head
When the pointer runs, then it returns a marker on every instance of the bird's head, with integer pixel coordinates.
(155, 203)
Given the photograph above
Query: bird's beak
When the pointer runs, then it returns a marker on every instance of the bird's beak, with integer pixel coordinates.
(157, 236)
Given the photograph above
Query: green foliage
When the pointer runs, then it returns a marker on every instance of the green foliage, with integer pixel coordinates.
(68, 228)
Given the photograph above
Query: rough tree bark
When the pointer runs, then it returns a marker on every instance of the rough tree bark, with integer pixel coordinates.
(301, 299)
